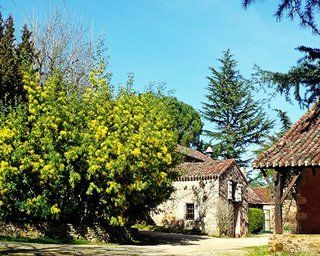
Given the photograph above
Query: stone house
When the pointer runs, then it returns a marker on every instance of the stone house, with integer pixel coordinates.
(296, 160)
(210, 196)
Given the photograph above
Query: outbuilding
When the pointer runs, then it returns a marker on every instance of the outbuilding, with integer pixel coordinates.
(210, 195)
(296, 160)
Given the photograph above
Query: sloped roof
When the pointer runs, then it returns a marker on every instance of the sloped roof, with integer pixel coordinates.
(300, 146)
(259, 195)
(264, 194)
(203, 167)
(204, 170)
(253, 198)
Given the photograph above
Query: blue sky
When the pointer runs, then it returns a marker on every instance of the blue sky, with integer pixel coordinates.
(175, 41)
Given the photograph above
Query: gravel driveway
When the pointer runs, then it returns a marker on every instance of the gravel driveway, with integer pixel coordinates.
(165, 244)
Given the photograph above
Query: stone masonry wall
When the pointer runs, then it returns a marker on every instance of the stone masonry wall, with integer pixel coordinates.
(94, 233)
(203, 193)
(235, 175)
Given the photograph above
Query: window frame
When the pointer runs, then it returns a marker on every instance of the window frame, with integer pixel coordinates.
(190, 211)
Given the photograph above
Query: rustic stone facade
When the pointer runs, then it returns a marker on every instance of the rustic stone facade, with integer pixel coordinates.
(204, 195)
(240, 209)
(94, 233)
(212, 206)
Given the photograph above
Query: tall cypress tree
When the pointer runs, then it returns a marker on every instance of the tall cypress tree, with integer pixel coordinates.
(238, 120)
(1, 52)
(14, 60)
(26, 50)
(26, 56)
(10, 84)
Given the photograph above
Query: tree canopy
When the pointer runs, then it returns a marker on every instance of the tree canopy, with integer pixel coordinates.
(238, 120)
(188, 124)
(89, 157)
(304, 10)
(15, 58)
(303, 79)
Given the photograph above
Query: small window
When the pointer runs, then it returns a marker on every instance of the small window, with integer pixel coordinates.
(230, 190)
(238, 193)
(190, 211)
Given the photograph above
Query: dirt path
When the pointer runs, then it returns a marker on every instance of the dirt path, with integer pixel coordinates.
(165, 244)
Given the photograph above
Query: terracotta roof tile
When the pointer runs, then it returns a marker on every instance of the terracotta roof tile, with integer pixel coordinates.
(260, 196)
(300, 146)
(204, 170)
(264, 194)
(253, 198)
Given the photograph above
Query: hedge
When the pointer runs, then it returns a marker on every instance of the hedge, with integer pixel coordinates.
(256, 220)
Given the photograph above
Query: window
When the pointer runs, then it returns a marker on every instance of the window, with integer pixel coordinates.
(238, 193)
(230, 190)
(190, 211)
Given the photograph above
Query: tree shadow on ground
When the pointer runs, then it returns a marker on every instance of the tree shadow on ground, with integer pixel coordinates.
(145, 244)
(59, 250)
(158, 238)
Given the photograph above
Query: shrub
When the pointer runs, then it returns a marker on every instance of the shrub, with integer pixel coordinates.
(84, 157)
(256, 220)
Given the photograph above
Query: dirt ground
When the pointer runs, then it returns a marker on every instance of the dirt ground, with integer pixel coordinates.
(156, 244)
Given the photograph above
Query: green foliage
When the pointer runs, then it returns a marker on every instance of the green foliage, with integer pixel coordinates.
(187, 121)
(256, 220)
(238, 120)
(14, 60)
(84, 158)
(303, 79)
(304, 10)
(256, 178)
(264, 251)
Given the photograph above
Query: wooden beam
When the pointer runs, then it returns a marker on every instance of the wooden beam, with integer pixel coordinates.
(290, 186)
(278, 180)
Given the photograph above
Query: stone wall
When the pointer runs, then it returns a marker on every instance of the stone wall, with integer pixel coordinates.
(306, 244)
(210, 199)
(94, 233)
(203, 194)
(234, 174)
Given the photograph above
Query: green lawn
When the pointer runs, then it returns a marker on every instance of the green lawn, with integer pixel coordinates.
(263, 251)
(44, 240)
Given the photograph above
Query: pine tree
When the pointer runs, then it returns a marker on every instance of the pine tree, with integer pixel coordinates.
(304, 78)
(1, 26)
(14, 61)
(26, 50)
(10, 87)
(1, 52)
(26, 56)
(238, 120)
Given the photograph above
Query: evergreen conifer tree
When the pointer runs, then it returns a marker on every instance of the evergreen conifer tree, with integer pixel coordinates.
(26, 50)
(238, 120)
(10, 82)
(14, 60)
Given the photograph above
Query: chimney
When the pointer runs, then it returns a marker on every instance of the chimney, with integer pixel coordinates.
(208, 151)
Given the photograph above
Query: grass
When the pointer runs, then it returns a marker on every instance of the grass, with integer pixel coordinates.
(46, 240)
(263, 251)
(144, 227)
